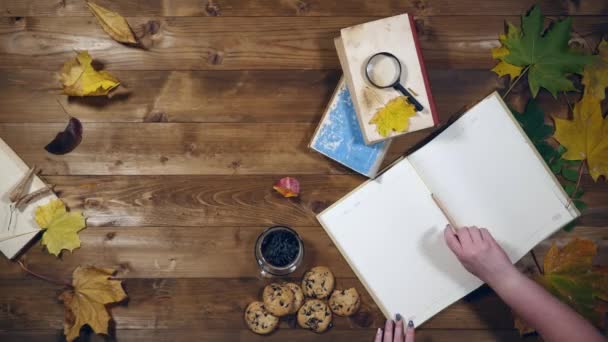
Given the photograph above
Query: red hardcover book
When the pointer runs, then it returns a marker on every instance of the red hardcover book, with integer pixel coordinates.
(396, 36)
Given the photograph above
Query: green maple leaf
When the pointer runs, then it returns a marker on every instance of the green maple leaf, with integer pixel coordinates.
(532, 120)
(547, 55)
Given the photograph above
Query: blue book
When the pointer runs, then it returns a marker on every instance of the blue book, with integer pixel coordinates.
(339, 136)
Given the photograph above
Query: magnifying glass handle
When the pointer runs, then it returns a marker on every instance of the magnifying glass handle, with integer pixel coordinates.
(411, 98)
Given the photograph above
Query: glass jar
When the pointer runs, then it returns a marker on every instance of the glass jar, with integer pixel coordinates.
(275, 251)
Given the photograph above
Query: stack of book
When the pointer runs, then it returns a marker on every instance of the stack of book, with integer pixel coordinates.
(345, 133)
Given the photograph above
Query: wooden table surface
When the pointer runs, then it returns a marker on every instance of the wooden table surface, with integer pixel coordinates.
(176, 177)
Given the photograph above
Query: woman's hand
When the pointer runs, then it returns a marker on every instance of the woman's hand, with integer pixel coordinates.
(396, 332)
(479, 253)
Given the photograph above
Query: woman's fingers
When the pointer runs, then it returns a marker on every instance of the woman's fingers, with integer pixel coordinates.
(452, 240)
(475, 235)
(378, 337)
(485, 235)
(409, 332)
(399, 333)
(388, 331)
(464, 236)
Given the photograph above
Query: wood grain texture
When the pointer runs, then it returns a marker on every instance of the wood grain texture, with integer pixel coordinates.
(198, 43)
(199, 252)
(299, 7)
(207, 303)
(293, 335)
(229, 201)
(175, 174)
(179, 148)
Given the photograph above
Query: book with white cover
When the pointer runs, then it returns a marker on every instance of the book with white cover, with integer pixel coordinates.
(485, 172)
(17, 227)
(396, 35)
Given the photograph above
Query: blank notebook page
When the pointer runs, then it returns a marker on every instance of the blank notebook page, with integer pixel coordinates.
(391, 233)
(486, 173)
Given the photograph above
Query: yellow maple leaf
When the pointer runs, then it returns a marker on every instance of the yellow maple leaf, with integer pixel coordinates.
(570, 275)
(61, 227)
(79, 78)
(113, 23)
(585, 136)
(503, 68)
(595, 74)
(85, 303)
(394, 116)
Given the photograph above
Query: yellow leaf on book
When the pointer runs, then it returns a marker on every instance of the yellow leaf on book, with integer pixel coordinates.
(394, 116)
(61, 227)
(86, 302)
(113, 23)
(585, 137)
(79, 78)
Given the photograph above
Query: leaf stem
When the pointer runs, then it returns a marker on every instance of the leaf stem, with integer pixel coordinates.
(63, 108)
(540, 270)
(515, 82)
(39, 276)
(567, 101)
(578, 181)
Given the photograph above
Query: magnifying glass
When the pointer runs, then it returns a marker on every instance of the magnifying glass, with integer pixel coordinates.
(383, 70)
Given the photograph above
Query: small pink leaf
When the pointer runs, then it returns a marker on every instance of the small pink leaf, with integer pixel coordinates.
(288, 187)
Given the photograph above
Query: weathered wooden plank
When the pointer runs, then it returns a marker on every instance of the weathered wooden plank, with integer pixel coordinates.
(191, 43)
(197, 252)
(227, 96)
(228, 201)
(180, 148)
(216, 304)
(239, 334)
(298, 7)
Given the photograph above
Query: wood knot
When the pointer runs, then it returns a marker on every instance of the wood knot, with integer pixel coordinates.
(212, 9)
(156, 117)
(118, 163)
(124, 267)
(363, 319)
(318, 206)
(420, 4)
(215, 57)
(152, 27)
(16, 19)
(424, 31)
(235, 164)
(302, 7)
(163, 159)
(110, 236)
(92, 203)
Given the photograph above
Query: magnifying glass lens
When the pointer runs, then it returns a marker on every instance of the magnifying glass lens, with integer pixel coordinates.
(383, 71)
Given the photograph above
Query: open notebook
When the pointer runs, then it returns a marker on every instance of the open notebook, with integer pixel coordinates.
(485, 172)
(17, 228)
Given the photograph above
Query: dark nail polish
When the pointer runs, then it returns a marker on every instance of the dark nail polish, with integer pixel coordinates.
(398, 317)
(410, 324)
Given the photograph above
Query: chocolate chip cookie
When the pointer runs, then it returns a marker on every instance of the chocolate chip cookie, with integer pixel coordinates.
(278, 299)
(259, 320)
(318, 282)
(344, 302)
(315, 316)
(298, 296)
